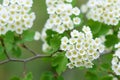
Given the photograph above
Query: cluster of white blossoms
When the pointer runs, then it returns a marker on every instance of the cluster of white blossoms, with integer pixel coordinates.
(105, 11)
(61, 12)
(81, 49)
(116, 60)
(62, 16)
(16, 16)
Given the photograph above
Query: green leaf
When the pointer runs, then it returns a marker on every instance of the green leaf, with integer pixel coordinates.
(91, 76)
(28, 76)
(74, 2)
(103, 30)
(2, 55)
(16, 51)
(8, 46)
(95, 26)
(107, 78)
(111, 40)
(54, 41)
(60, 78)
(28, 36)
(59, 62)
(50, 33)
(9, 37)
(47, 76)
(15, 78)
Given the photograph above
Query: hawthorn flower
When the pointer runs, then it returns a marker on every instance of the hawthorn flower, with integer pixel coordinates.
(116, 60)
(60, 12)
(81, 49)
(105, 11)
(15, 16)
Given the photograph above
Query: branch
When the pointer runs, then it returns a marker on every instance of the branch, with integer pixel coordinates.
(24, 60)
(2, 42)
(28, 49)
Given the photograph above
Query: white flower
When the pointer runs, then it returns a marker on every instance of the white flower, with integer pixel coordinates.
(76, 11)
(60, 29)
(64, 46)
(76, 20)
(70, 65)
(84, 8)
(37, 35)
(116, 60)
(117, 53)
(51, 10)
(64, 40)
(74, 33)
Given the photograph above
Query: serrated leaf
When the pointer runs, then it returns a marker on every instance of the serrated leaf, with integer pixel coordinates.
(95, 26)
(91, 76)
(2, 55)
(59, 63)
(103, 30)
(47, 76)
(60, 78)
(107, 78)
(9, 37)
(16, 51)
(28, 36)
(9, 46)
(15, 78)
(111, 40)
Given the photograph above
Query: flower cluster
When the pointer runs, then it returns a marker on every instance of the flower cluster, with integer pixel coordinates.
(105, 11)
(81, 49)
(61, 12)
(15, 16)
(116, 60)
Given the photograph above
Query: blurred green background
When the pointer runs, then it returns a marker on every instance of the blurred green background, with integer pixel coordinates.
(37, 67)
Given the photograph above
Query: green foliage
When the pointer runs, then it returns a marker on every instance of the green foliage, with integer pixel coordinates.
(15, 78)
(91, 76)
(2, 55)
(53, 39)
(107, 78)
(50, 76)
(16, 51)
(59, 62)
(47, 76)
(111, 40)
(28, 76)
(28, 36)
(9, 37)
(98, 28)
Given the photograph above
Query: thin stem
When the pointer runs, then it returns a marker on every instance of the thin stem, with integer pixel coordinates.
(24, 60)
(3, 62)
(2, 42)
(24, 69)
(28, 49)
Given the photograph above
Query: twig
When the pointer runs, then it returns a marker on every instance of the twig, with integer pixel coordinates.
(24, 60)
(2, 42)
(28, 49)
